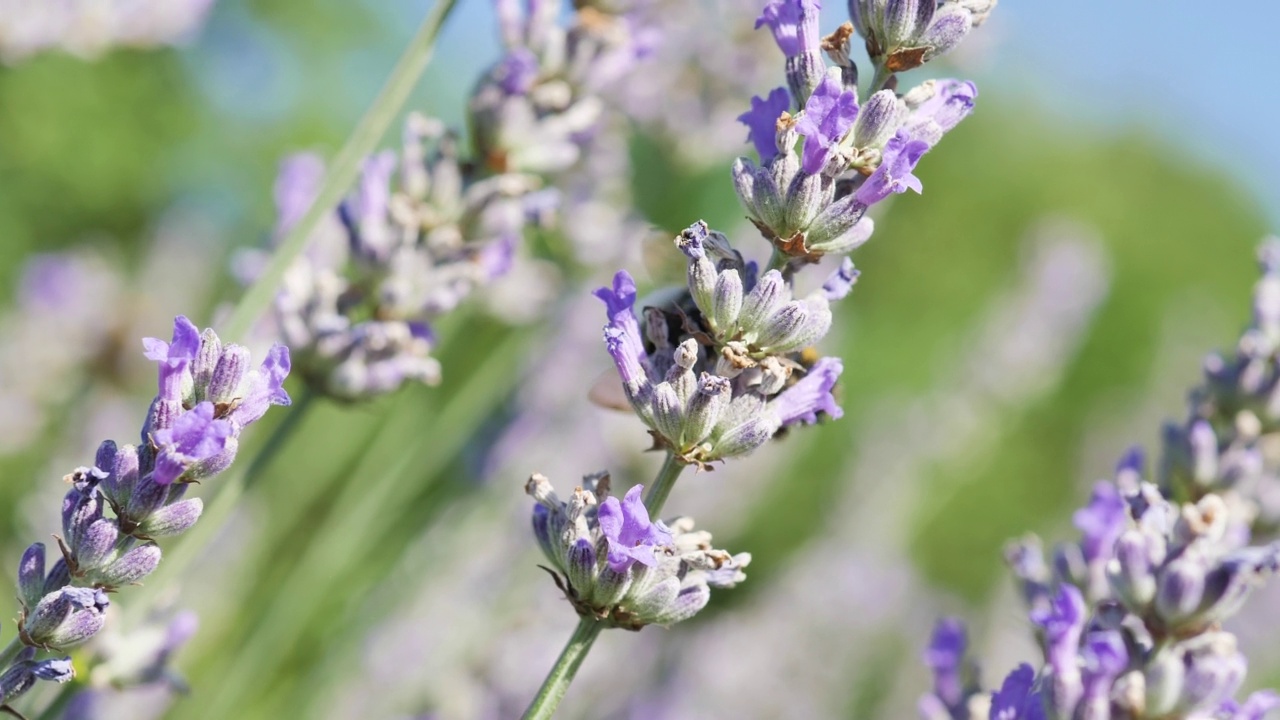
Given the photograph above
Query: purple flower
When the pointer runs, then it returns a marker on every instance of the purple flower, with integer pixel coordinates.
(622, 334)
(794, 24)
(1016, 700)
(894, 174)
(762, 122)
(945, 657)
(812, 394)
(840, 283)
(936, 116)
(174, 357)
(517, 71)
(1101, 522)
(264, 388)
(1063, 622)
(828, 115)
(1103, 657)
(296, 186)
(626, 527)
(1255, 708)
(196, 435)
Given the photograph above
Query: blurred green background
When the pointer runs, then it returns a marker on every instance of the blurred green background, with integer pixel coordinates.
(100, 150)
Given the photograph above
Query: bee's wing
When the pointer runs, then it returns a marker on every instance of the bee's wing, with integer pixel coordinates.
(607, 392)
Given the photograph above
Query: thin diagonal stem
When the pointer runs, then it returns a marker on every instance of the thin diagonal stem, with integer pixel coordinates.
(575, 651)
(343, 170)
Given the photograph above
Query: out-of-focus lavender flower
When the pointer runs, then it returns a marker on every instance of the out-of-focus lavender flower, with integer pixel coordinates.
(207, 394)
(615, 566)
(954, 677)
(89, 29)
(725, 372)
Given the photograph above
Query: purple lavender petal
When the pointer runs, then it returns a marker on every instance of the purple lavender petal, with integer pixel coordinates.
(196, 435)
(630, 535)
(812, 394)
(945, 657)
(265, 387)
(828, 115)
(762, 122)
(517, 71)
(174, 357)
(1101, 522)
(895, 172)
(1016, 700)
(1063, 622)
(622, 334)
(793, 23)
(952, 102)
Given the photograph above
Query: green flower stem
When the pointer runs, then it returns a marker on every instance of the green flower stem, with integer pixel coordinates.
(661, 486)
(342, 171)
(9, 653)
(878, 81)
(575, 651)
(566, 667)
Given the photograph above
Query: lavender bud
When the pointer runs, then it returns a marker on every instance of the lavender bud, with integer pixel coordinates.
(59, 577)
(119, 484)
(65, 618)
(782, 328)
(878, 120)
(542, 528)
(16, 680)
(706, 407)
(79, 511)
(1162, 679)
(1132, 571)
(763, 301)
(131, 567)
(105, 458)
(58, 670)
(205, 362)
(96, 544)
(726, 304)
(227, 378)
(31, 576)
(580, 566)
(744, 438)
(744, 182)
(770, 206)
(172, 519)
(1181, 588)
(950, 25)
(1214, 670)
(806, 197)
(688, 602)
(610, 587)
(658, 599)
(147, 497)
(668, 413)
(702, 283)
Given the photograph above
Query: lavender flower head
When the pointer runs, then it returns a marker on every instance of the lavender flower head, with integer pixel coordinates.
(617, 567)
(725, 371)
(854, 155)
(131, 495)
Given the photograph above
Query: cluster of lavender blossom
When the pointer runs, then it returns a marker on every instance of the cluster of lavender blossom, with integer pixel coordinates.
(1130, 618)
(426, 228)
(717, 368)
(88, 29)
(132, 495)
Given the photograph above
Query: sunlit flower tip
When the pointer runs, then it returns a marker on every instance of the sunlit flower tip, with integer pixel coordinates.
(175, 358)
(829, 114)
(794, 24)
(901, 154)
(840, 283)
(195, 436)
(762, 122)
(65, 618)
(810, 395)
(944, 104)
(1018, 698)
(517, 71)
(622, 335)
(172, 519)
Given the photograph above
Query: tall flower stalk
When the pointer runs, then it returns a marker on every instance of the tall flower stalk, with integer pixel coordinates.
(719, 367)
